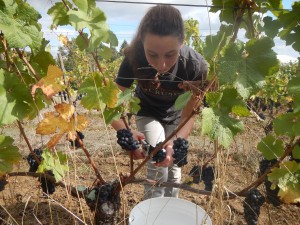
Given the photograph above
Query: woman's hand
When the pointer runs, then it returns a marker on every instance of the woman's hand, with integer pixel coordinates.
(138, 153)
(169, 157)
(136, 135)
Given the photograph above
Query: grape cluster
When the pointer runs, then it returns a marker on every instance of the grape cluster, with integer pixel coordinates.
(103, 194)
(47, 186)
(160, 155)
(125, 140)
(207, 175)
(252, 203)
(33, 165)
(180, 146)
(272, 194)
(195, 173)
(75, 142)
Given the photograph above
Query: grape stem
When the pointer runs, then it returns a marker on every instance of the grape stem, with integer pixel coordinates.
(27, 142)
(288, 149)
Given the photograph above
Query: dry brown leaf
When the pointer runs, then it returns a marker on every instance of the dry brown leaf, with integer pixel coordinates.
(51, 83)
(54, 140)
(66, 111)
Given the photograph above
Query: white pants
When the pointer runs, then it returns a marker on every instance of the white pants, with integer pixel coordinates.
(154, 133)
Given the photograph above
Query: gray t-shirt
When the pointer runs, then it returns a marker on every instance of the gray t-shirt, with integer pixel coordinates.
(158, 102)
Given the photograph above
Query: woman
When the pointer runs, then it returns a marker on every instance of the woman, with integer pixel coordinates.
(159, 61)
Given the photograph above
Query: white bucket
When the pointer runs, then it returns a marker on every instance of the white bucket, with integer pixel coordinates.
(168, 211)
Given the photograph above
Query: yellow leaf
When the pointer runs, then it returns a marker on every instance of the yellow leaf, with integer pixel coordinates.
(290, 195)
(62, 124)
(48, 125)
(82, 123)
(66, 111)
(50, 84)
(63, 39)
(54, 140)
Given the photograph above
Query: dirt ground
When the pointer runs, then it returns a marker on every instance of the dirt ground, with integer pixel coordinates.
(22, 201)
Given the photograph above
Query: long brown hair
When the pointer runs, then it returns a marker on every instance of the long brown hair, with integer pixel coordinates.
(162, 20)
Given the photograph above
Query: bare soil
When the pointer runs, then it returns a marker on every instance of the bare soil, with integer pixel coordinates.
(22, 201)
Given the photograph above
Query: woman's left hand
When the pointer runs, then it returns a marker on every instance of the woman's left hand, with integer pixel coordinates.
(169, 157)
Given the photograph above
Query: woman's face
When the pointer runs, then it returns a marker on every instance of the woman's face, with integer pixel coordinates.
(161, 51)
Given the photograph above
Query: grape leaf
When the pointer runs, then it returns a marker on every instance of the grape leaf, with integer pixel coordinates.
(213, 98)
(50, 84)
(16, 101)
(60, 122)
(111, 114)
(109, 94)
(294, 92)
(17, 35)
(92, 87)
(215, 43)
(271, 27)
(57, 162)
(82, 5)
(287, 124)
(219, 126)
(9, 154)
(44, 59)
(246, 66)
(270, 147)
(58, 12)
(182, 100)
(287, 178)
(296, 152)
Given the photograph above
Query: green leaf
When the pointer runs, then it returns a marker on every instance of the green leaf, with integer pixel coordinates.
(215, 43)
(294, 92)
(82, 5)
(109, 94)
(16, 35)
(80, 20)
(287, 178)
(219, 126)
(271, 27)
(287, 124)
(134, 105)
(9, 154)
(58, 12)
(92, 87)
(81, 43)
(296, 152)
(16, 100)
(57, 162)
(247, 66)
(105, 52)
(270, 147)
(27, 13)
(213, 98)
(182, 100)
(43, 59)
(111, 114)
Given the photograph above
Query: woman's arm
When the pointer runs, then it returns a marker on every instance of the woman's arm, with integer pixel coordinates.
(119, 124)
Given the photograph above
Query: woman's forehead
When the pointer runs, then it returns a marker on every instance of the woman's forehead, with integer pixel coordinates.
(158, 43)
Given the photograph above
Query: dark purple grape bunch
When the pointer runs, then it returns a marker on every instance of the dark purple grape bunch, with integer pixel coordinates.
(208, 176)
(48, 186)
(33, 165)
(180, 147)
(252, 203)
(99, 195)
(160, 155)
(272, 194)
(195, 173)
(125, 140)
